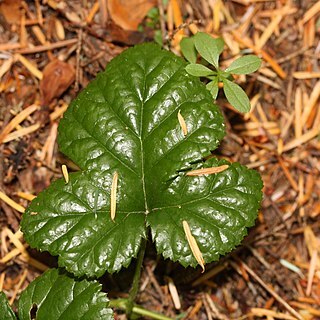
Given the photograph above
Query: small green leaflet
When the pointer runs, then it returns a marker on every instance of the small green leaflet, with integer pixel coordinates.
(213, 87)
(209, 48)
(188, 49)
(198, 70)
(236, 96)
(244, 65)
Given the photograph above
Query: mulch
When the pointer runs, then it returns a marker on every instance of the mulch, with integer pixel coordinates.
(275, 274)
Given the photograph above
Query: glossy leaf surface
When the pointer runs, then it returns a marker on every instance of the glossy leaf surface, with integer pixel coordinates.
(6, 312)
(57, 296)
(126, 122)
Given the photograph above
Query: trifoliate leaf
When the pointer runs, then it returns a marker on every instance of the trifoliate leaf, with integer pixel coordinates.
(198, 70)
(244, 65)
(236, 96)
(126, 123)
(6, 312)
(213, 87)
(208, 47)
(56, 296)
(188, 49)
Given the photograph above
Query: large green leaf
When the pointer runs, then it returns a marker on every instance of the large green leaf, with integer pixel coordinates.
(56, 296)
(126, 121)
(6, 312)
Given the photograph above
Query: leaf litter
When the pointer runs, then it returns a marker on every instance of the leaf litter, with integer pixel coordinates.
(285, 35)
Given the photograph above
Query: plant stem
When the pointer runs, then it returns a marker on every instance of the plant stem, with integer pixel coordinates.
(136, 278)
(122, 304)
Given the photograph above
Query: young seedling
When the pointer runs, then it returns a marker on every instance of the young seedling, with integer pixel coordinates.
(139, 133)
(210, 50)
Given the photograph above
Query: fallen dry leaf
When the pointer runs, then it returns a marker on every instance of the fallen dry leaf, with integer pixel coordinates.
(128, 14)
(11, 11)
(57, 77)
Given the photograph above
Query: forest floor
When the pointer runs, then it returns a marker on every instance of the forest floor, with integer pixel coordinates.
(51, 49)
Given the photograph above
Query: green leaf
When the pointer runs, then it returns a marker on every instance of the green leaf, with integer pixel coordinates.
(56, 296)
(198, 70)
(188, 49)
(218, 208)
(244, 65)
(126, 121)
(213, 87)
(6, 312)
(236, 96)
(208, 47)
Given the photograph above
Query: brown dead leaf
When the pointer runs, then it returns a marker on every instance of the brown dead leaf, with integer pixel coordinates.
(57, 77)
(11, 11)
(128, 14)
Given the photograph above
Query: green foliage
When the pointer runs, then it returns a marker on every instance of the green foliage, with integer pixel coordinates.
(148, 122)
(6, 312)
(199, 70)
(236, 96)
(126, 121)
(210, 49)
(244, 65)
(189, 50)
(57, 296)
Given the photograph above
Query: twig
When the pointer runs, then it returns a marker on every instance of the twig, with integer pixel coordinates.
(271, 291)
(49, 46)
(78, 53)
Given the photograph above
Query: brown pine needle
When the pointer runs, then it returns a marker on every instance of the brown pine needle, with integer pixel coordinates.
(27, 196)
(17, 120)
(58, 112)
(193, 245)
(311, 12)
(301, 140)
(182, 124)
(65, 173)
(13, 253)
(212, 170)
(312, 269)
(21, 132)
(269, 31)
(2, 277)
(33, 69)
(174, 293)
(14, 238)
(113, 200)
(259, 312)
(11, 203)
(17, 288)
(306, 75)
(93, 12)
